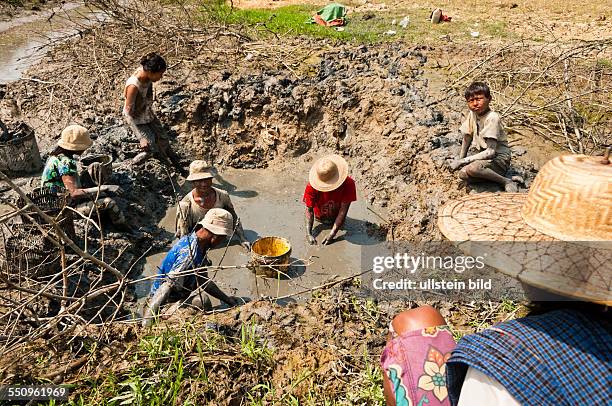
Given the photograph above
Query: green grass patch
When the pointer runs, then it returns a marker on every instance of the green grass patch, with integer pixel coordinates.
(604, 63)
(293, 21)
(370, 27)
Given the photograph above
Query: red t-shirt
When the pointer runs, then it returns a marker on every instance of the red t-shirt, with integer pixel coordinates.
(326, 205)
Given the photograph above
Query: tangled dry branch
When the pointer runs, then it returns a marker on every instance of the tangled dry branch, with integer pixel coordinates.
(556, 90)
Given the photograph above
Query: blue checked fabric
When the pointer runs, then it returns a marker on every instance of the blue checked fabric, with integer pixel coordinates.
(562, 357)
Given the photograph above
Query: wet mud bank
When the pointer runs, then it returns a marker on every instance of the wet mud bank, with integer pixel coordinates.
(24, 39)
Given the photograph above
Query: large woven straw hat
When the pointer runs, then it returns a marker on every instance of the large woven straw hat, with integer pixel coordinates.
(75, 138)
(557, 237)
(328, 173)
(200, 170)
(218, 221)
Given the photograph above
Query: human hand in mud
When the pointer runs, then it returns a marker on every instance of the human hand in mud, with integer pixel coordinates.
(455, 164)
(246, 245)
(144, 144)
(329, 239)
(113, 189)
(311, 240)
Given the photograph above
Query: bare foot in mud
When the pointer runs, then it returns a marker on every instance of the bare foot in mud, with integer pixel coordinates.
(140, 158)
(511, 187)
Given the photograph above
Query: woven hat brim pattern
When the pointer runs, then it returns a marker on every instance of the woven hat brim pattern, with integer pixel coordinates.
(334, 183)
(487, 217)
(490, 225)
(571, 199)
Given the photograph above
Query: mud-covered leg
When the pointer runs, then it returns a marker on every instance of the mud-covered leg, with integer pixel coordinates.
(155, 303)
(477, 171)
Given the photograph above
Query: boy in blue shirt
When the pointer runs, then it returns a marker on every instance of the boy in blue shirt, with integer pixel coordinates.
(188, 254)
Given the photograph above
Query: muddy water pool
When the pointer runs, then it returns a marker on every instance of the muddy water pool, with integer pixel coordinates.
(22, 39)
(269, 203)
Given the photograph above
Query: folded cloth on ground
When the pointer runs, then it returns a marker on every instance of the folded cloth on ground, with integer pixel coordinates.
(332, 15)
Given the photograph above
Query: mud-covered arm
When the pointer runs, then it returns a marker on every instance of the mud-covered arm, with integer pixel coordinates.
(340, 218)
(237, 223)
(465, 145)
(488, 153)
(309, 222)
(70, 183)
(338, 223)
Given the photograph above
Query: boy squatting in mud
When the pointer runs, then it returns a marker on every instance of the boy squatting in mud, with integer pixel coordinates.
(483, 127)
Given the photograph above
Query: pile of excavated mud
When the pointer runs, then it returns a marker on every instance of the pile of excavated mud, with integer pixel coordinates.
(375, 105)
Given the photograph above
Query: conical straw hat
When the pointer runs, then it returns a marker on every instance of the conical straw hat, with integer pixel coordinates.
(558, 237)
(328, 173)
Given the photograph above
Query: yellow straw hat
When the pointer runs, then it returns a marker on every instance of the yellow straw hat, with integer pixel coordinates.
(75, 138)
(328, 173)
(557, 237)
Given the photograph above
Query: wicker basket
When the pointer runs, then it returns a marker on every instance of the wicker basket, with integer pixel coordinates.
(20, 154)
(29, 253)
(54, 205)
(99, 169)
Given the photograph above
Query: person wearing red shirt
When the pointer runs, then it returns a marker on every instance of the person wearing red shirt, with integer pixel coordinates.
(328, 195)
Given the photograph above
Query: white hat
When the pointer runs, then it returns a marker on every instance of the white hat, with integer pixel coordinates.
(200, 170)
(218, 221)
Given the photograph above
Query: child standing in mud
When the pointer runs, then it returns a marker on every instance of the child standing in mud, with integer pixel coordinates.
(483, 127)
(138, 112)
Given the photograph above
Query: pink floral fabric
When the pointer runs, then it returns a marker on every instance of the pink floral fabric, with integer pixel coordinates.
(415, 363)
